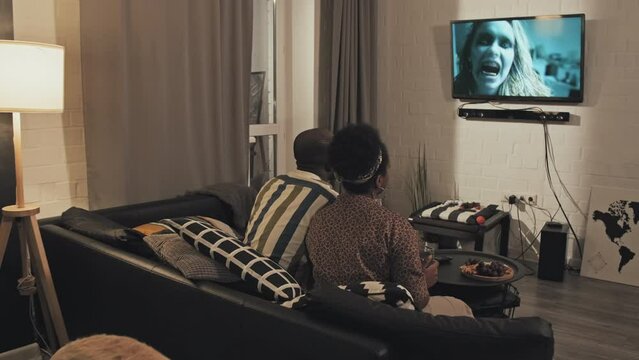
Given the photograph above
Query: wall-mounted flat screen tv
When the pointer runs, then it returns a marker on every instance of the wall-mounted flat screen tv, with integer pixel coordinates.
(531, 59)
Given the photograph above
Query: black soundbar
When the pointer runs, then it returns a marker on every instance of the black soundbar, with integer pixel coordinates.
(467, 113)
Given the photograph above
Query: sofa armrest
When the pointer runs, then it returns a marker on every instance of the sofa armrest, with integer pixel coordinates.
(412, 334)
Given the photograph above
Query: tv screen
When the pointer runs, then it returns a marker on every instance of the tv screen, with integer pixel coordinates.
(519, 59)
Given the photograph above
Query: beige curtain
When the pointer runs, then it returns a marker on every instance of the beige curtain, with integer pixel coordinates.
(165, 94)
(347, 63)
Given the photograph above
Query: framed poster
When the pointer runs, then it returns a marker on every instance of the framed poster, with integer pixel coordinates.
(612, 236)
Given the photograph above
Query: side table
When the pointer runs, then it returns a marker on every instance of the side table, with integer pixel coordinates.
(472, 232)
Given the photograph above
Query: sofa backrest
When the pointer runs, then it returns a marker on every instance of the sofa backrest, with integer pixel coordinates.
(138, 214)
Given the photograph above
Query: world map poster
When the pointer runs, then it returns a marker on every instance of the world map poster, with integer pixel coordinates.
(611, 250)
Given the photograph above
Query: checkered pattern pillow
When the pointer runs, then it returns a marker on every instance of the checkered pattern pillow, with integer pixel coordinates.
(388, 293)
(266, 276)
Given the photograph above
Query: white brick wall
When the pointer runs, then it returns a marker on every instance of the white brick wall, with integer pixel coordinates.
(55, 173)
(482, 160)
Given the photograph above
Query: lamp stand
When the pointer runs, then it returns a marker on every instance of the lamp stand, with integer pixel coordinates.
(32, 248)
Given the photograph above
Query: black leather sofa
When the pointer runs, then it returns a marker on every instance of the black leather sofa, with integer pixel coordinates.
(103, 289)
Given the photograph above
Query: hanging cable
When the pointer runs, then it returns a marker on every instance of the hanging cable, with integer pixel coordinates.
(42, 341)
(551, 151)
(530, 271)
(552, 188)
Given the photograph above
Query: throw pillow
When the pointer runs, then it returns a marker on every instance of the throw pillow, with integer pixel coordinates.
(220, 225)
(103, 229)
(153, 229)
(159, 228)
(194, 266)
(385, 292)
(264, 275)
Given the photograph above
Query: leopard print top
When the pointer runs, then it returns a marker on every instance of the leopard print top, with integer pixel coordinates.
(356, 239)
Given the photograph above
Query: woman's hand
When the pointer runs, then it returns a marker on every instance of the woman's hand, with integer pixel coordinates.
(430, 272)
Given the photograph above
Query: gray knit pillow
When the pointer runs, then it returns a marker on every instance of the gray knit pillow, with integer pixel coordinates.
(194, 266)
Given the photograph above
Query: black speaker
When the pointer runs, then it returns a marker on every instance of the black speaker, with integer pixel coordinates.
(552, 252)
(468, 113)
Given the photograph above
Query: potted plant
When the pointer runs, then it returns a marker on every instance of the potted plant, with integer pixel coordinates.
(417, 181)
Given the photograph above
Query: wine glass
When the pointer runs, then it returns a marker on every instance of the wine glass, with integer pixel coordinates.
(427, 254)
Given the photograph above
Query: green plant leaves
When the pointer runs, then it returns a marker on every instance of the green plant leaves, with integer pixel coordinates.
(417, 181)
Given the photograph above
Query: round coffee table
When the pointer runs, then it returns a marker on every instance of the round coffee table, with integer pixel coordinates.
(485, 298)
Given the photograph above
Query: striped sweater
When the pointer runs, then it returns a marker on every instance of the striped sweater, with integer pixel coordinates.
(282, 212)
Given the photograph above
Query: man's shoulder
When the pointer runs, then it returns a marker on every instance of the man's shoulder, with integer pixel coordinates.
(285, 185)
(308, 180)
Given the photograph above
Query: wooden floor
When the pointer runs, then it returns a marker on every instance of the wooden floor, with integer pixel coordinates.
(591, 319)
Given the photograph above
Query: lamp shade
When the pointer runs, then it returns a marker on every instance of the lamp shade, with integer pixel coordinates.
(31, 77)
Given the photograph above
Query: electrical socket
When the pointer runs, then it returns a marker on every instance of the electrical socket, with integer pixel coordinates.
(529, 198)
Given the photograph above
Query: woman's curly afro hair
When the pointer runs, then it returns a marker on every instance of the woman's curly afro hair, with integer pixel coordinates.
(353, 153)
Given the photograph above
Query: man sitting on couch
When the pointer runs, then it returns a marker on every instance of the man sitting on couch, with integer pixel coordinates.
(285, 204)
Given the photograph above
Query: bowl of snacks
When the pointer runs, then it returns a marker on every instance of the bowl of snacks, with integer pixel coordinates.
(486, 270)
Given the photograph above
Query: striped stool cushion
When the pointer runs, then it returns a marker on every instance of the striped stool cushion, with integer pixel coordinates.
(455, 210)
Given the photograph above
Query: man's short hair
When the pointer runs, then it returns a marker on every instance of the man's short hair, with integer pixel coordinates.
(310, 147)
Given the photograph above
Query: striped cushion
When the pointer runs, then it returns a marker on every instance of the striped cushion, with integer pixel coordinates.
(281, 215)
(452, 210)
(264, 275)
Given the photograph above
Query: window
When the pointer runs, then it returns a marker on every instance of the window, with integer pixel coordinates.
(266, 140)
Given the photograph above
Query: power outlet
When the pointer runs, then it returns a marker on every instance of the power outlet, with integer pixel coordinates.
(526, 198)
(529, 198)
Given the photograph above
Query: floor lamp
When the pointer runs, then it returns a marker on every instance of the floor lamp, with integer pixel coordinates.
(31, 81)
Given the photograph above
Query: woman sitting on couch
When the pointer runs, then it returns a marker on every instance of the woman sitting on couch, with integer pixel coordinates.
(356, 239)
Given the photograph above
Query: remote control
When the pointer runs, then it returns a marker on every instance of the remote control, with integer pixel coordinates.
(443, 258)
